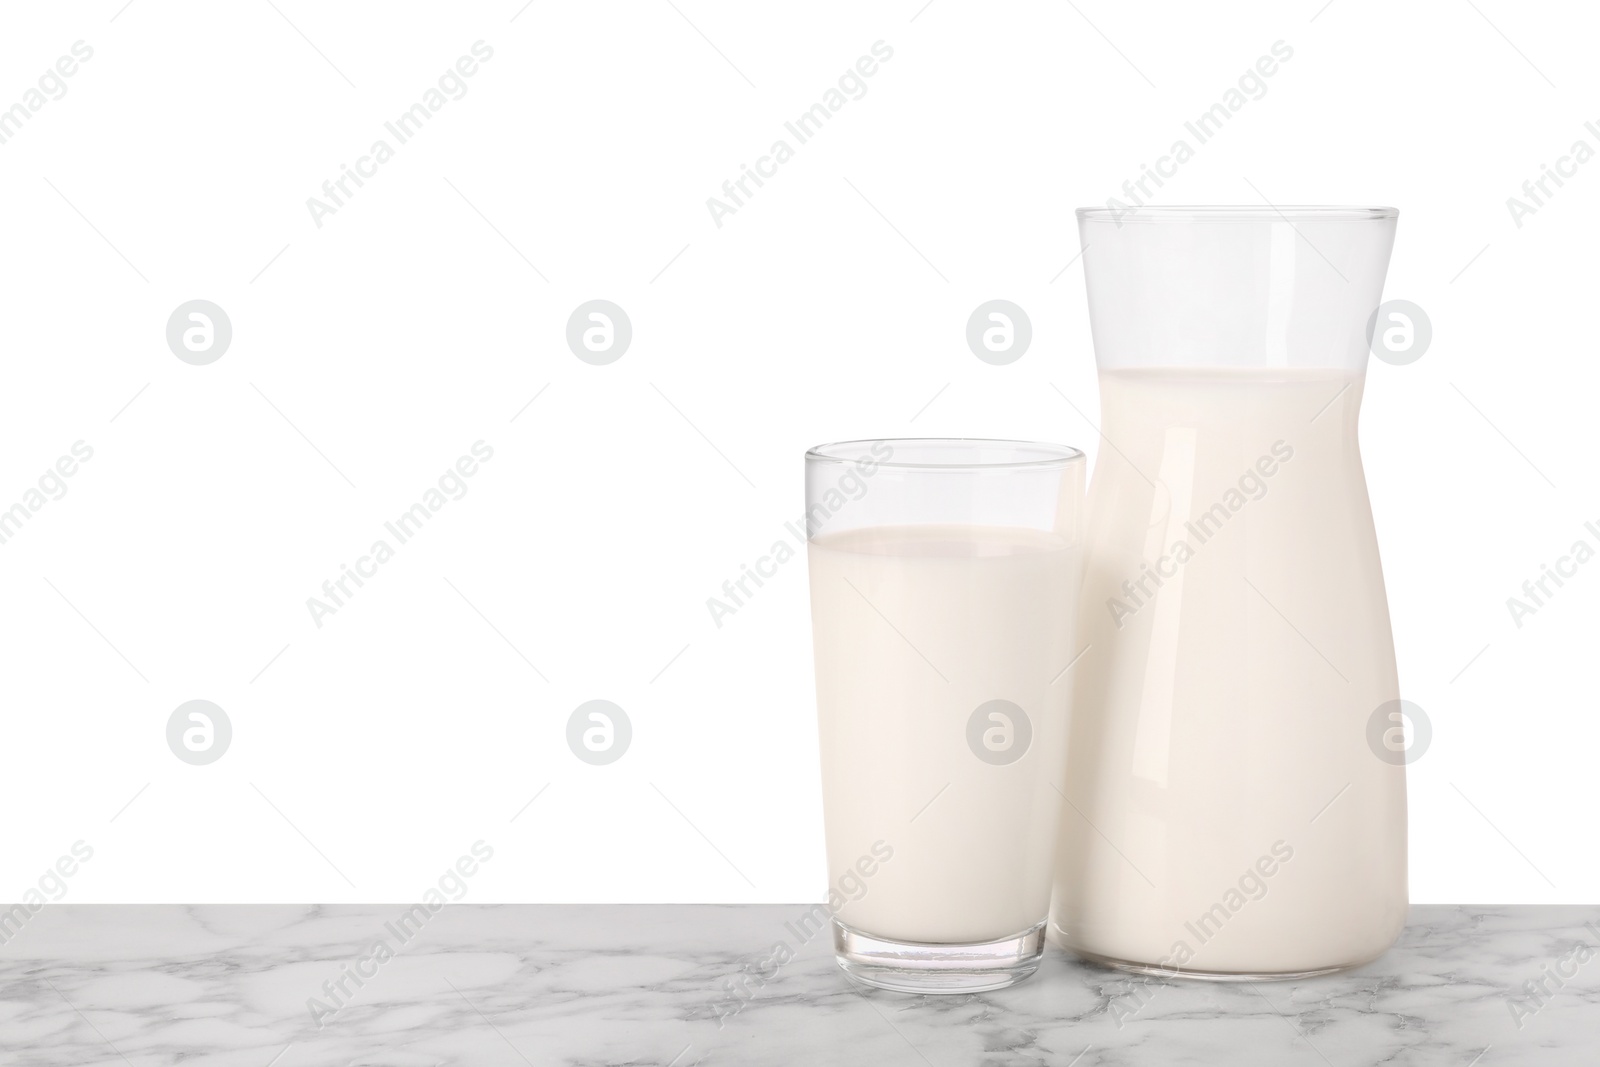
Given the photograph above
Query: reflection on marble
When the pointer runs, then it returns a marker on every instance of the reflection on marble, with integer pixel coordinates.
(246, 986)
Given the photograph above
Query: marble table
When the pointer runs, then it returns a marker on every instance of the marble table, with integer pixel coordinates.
(381, 986)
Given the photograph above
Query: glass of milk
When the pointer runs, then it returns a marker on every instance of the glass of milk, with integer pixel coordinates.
(944, 575)
(1229, 813)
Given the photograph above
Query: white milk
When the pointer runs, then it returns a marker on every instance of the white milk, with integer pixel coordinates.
(915, 627)
(1230, 814)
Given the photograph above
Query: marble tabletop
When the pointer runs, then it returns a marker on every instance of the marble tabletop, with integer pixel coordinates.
(388, 986)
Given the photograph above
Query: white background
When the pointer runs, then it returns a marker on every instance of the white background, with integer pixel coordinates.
(370, 353)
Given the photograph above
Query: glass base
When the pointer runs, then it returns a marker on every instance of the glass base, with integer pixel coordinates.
(1156, 970)
(918, 967)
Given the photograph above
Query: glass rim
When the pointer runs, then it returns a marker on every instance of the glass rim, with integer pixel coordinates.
(1241, 213)
(1055, 456)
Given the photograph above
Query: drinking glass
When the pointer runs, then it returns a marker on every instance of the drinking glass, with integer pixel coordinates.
(943, 580)
(1230, 812)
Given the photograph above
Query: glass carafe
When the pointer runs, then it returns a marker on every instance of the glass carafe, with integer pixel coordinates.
(1226, 815)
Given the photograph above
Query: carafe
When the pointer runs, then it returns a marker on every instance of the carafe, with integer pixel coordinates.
(1226, 812)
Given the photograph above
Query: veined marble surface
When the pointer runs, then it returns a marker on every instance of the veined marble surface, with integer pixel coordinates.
(243, 986)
